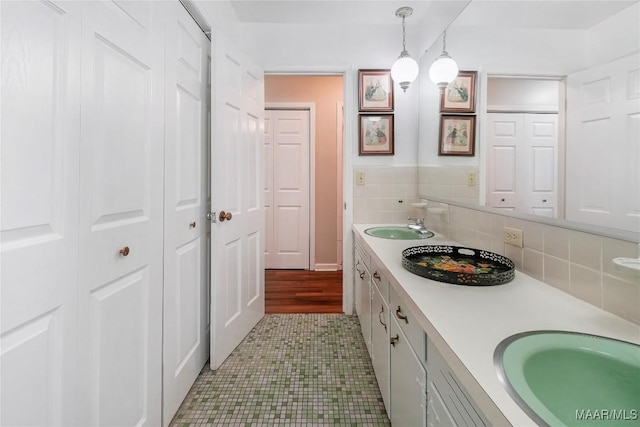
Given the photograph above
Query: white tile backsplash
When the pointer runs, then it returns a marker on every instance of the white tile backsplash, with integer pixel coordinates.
(575, 262)
(586, 284)
(585, 249)
(387, 194)
(557, 273)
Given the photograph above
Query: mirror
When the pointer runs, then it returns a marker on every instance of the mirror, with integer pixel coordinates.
(531, 59)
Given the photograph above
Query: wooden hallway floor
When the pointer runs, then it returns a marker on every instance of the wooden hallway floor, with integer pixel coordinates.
(303, 291)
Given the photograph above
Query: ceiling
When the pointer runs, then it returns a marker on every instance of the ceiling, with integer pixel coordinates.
(357, 12)
(569, 14)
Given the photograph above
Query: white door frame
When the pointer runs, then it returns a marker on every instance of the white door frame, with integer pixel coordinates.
(311, 108)
(350, 134)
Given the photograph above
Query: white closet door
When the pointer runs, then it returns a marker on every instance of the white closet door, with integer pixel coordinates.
(121, 208)
(522, 162)
(504, 140)
(539, 172)
(39, 215)
(186, 318)
(287, 164)
(237, 244)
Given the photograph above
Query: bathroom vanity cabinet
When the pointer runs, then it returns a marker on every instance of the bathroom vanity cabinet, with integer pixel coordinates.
(417, 387)
(362, 291)
(432, 344)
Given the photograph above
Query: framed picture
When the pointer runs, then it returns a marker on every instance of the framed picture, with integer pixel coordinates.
(457, 135)
(376, 134)
(376, 90)
(460, 95)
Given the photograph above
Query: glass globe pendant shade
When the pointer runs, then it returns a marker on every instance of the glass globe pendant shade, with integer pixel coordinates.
(443, 71)
(405, 70)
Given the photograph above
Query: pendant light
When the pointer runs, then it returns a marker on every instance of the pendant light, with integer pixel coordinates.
(444, 70)
(405, 69)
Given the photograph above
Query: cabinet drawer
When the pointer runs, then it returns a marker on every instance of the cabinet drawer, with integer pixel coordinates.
(408, 324)
(379, 279)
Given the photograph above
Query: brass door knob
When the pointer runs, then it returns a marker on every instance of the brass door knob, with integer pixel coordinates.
(192, 225)
(124, 251)
(225, 215)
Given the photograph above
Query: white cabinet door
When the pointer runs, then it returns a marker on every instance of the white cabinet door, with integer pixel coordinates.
(237, 243)
(380, 344)
(362, 281)
(121, 214)
(408, 382)
(186, 296)
(39, 211)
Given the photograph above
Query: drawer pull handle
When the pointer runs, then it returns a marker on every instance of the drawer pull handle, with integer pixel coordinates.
(394, 340)
(380, 318)
(400, 316)
(361, 273)
(376, 275)
(124, 251)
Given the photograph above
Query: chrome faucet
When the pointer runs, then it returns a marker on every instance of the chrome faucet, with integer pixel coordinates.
(417, 225)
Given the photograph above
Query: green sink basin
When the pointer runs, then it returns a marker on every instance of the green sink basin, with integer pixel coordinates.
(571, 379)
(397, 233)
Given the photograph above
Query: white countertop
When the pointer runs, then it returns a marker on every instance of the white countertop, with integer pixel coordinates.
(473, 320)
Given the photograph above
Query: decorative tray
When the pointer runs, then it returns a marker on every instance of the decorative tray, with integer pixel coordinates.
(458, 265)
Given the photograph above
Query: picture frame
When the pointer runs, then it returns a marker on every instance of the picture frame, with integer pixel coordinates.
(375, 91)
(460, 95)
(376, 134)
(457, 135)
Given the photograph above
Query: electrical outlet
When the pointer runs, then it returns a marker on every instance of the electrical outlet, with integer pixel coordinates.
(471, 179)
(361, 178)
(513, 236)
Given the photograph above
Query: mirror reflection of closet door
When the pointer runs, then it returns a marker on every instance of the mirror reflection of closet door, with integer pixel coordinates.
(522, 159)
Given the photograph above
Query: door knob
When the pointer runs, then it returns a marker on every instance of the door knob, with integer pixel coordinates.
(225, 215)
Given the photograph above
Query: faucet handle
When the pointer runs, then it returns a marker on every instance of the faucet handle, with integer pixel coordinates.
(419, 221)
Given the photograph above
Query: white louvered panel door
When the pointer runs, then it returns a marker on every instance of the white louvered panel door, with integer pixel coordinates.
(121, 208)
(186, 317)
(39, 215)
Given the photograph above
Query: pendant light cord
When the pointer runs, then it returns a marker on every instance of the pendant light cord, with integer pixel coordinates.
(404, 34)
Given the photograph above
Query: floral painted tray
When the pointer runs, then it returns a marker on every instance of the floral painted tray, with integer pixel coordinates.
(458, 265)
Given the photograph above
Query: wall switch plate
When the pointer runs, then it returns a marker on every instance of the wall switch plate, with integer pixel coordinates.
(361, 178)
(471, 179)
(513, 236)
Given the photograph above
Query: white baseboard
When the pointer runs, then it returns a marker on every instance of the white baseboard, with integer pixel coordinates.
(325, 267)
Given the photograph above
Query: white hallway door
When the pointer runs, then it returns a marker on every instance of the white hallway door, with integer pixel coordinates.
(186, 287)
(39, 212)
(287, 189)
(237, 238)
(522, 162)
(603, 145)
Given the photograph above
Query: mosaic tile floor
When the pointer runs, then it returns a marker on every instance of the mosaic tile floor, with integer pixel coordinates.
(291, 370)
